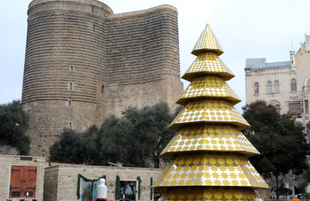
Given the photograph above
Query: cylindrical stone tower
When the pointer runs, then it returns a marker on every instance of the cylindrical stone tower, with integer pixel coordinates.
(63, 77)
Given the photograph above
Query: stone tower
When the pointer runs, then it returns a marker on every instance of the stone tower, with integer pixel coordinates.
(84, 63)
(209, 153)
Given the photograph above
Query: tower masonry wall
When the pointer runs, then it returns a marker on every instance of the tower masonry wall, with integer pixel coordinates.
(84, 63)
(73, 3)
(63, 69)
(142, 53)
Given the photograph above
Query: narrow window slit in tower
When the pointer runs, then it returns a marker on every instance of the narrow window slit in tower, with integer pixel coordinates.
(71, 68)
(70, 125)
(102, 89)
(69, 103)
(70, 87)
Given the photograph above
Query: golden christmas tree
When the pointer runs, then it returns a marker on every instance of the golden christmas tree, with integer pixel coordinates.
(209, 153)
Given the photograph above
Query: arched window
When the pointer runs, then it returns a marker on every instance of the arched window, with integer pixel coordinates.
(276, 105)
(256, 88)
(276, 86)
(293, 85)
(269, 87)
(277, 108)
(308, 85)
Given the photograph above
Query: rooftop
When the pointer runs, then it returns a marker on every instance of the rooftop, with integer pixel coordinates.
(261, 63)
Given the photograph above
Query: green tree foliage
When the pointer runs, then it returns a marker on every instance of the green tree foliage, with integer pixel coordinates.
(118, 195)
(117, 140)
(13, 127)
(278, 138)
(283, 191)
(67, 148)
(151, 130)
(89, 146)
(136, 139)
(307, 175)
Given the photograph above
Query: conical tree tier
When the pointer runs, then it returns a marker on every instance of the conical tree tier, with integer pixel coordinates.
(208, 63)
(210, 169)
(209, 153)
(207, 41)
(209, 194)
(209, 137)
(208, 86)
(209, 111)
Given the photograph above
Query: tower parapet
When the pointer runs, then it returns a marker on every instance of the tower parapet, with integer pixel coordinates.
(292, 59)
(93, 3)
(305, 47)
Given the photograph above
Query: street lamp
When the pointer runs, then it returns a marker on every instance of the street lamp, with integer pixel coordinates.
(43, 152)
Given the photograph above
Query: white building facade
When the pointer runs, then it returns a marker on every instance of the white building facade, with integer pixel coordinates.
(286, 85)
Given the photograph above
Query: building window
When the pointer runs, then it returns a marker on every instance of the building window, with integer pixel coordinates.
(71, 68)
(308, 85)
(70, 87)
(256, 88)
(276, 86)
(276, 105)
(92, 9)
(128, 188)
(277, 108)
(293, 85)
(69, 103)
(70, 125)
(269, 87)
(294, 109)
(102, 89)
(306, 107)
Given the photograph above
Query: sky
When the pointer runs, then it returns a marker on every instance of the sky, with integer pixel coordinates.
(244, 28)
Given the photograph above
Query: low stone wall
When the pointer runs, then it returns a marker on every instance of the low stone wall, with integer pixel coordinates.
(7, 150)
(264, 194)
(61, 181)
(6, 163)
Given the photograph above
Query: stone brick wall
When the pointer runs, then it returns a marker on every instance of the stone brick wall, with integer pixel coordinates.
(142, 53)
(7, 150)
(51, 184)
(48, 118)
(61, 180)
(263, 194)
(5, 176)
(62, 68)
(84, 63)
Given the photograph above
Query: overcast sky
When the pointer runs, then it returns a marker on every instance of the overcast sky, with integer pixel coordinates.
(244, 28)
